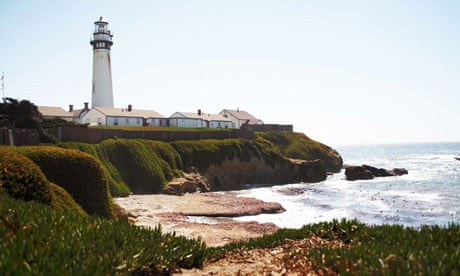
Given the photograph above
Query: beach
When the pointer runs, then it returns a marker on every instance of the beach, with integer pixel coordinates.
(207, 216)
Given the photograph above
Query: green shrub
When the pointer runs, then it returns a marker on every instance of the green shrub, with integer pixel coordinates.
(61, 199)
(47, 138)
(299, 146)
(116, 184)
(38, 240)
(204, 153)
(77, 172)
(22, 178)
(140, 163)
(134, 165)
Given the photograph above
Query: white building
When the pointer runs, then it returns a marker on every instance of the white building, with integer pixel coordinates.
(199, 119)
(239, 118)
(186, 119)
(108, 116)
(102, 94)
(217, 121)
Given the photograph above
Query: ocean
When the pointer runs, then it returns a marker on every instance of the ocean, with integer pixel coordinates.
(428, 195)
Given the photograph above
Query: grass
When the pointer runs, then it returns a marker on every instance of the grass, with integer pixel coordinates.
(38, 240)
(299, 146)
(371, 250)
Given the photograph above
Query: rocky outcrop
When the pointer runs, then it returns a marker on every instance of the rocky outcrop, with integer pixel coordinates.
(187, 183)
(309, 171)
(368, 172)
(457, 158)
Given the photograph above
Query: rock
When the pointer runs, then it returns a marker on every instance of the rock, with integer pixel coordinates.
(357, 173)
(187, 183)
(368, 172)
(457, 158)
(399, 171)
(310, 171)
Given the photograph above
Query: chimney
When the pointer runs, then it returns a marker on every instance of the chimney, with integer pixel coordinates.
(86, 106)
(130, 108)
(199, 112)
(70, 107)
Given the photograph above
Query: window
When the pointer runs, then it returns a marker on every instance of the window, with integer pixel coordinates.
(115, 121)
(127, 121)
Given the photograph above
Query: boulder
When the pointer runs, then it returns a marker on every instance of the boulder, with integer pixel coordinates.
(368, 172)
(187, 183)
(457, 158)
(310, 171)
(357, 173)
(399, 171)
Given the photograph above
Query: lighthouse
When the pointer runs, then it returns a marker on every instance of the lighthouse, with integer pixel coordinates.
(102, 94)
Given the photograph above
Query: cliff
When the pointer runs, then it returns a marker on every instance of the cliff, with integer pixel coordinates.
(146, 166)
(92, 173)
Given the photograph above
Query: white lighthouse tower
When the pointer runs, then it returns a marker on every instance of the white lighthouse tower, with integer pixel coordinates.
(102, 94)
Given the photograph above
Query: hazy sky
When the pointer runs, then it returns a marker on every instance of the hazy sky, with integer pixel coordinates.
(341, 71)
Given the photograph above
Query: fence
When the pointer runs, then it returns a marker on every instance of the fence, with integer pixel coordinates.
(19, 137)
(96, 135)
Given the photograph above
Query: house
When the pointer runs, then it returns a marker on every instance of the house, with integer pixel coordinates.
(109, 116)
(187, 119)
(199, 119)
(217, 121)
(56, 112)
(240, 117)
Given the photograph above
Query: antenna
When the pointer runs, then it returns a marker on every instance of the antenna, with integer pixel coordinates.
(3, 84)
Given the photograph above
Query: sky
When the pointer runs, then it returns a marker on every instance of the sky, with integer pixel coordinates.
(342, 72)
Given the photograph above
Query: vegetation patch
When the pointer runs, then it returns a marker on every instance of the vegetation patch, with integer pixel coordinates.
(78, 173)
(134, 165)
(38, 240)
(369, 250)
(61, 199)
(22, 178)
(299, 146)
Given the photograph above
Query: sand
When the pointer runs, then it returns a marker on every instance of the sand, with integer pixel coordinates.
(207, 216)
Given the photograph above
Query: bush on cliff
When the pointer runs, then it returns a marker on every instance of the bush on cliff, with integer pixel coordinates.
(134, 165)
(22, 178)
(61, 199)
(116, 185)
(299, 146)
(140, 163)
(204, 153)
(78, 173)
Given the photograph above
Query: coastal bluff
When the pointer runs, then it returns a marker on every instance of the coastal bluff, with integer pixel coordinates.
(141, 166)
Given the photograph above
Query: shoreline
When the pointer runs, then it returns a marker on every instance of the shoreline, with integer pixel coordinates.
(207, 216)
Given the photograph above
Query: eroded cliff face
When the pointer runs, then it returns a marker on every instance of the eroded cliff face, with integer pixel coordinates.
(238, 174)
(147, 166)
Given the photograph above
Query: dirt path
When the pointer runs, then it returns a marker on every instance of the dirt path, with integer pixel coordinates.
(287, 259)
